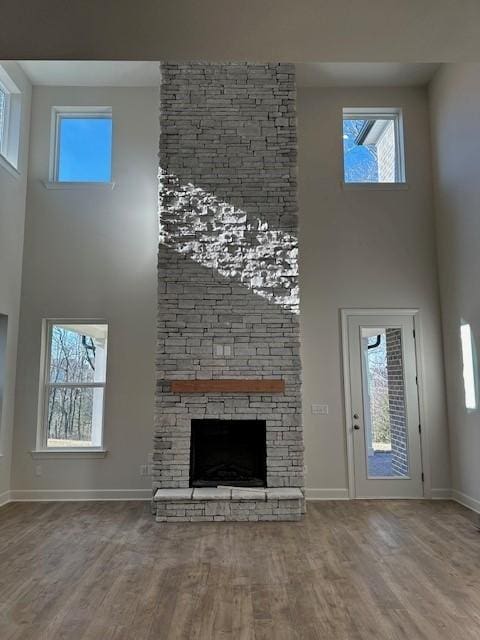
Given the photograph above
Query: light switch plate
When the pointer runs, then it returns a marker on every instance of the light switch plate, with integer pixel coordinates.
(223, 350)
(320, 409)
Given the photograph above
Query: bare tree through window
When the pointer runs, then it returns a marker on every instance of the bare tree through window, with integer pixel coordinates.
(75, 386)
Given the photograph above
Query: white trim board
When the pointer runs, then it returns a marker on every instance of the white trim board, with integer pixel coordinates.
(465, 500)
(311, 494)
(68, 495)
(441, 494)
(5, 498)
(326, 494)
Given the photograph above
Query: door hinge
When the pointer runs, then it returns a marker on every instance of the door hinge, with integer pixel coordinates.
(414, 334)
(419, 428)
(416, 380)
(423, 477)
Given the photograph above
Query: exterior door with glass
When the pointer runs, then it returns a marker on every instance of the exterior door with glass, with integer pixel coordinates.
(384, 423)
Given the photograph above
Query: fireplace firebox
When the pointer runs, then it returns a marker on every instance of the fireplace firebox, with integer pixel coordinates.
(228, 452)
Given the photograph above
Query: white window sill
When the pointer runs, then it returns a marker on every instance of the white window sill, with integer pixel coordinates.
(8, 166)
(91, 186)
(374, 186)
(68, 454)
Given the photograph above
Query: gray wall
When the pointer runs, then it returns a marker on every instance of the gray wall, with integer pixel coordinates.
(92, 254)
(12, 217)
(363, 248)
(455, 109)
(106, 245)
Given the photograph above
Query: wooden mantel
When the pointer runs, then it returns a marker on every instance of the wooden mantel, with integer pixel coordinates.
(223, 385)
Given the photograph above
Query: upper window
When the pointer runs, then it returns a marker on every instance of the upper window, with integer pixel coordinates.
(74, 384)
(3, 113)
(373, 146)
(82, 144)
(10, 119)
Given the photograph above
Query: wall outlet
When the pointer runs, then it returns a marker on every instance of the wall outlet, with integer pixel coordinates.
(320, 409)
(143, 469)
(150, 457)
(149, 469)
(38, 470)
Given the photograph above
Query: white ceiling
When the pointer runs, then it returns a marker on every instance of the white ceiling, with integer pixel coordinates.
(146, 74)
(364, 74)
(92, 74)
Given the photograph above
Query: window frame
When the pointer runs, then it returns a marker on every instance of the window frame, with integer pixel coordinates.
(75, 112)
(11, 134)
(469, 367)
(379, 113)
(45, 385)
(6, 113)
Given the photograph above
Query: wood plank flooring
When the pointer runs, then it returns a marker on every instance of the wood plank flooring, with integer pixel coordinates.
(349, 571)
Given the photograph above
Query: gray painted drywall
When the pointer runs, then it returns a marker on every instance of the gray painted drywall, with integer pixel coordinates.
(363, 249)
(455, 121)
(12, 217)
(110, 271)
(92, 254)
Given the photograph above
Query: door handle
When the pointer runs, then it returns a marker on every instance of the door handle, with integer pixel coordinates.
(356, 427)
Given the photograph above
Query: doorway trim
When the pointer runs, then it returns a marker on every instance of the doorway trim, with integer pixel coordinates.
(345, 314)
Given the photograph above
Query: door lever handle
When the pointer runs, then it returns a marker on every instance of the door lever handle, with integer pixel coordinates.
(356, 427)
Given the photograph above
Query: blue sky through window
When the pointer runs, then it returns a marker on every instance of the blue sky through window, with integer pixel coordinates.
(360, 161)
(85, 150)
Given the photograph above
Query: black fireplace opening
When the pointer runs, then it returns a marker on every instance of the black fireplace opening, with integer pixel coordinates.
(229, 452)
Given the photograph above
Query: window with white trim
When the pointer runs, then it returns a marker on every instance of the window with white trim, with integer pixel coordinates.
(81, 144)
(10, 119)
(74, 379)
(373, 149)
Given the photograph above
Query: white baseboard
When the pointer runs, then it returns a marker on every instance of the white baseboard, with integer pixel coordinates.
(441, 494)
(342, 494)
(326, 494)
(466, 501)
(67, 495)
(4, 498)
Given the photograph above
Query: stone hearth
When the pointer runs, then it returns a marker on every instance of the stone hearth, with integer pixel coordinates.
(228, 283)
(222, 504)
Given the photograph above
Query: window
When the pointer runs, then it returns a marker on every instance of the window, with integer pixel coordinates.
(10, 119)
(81, 144)
(468, 357)
(3, 113)
(373, 146)
(74, 385)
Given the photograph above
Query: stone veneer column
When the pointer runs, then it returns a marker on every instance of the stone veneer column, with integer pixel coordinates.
(228, 258)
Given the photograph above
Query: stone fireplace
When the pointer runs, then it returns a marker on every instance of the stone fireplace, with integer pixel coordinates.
(228, 441)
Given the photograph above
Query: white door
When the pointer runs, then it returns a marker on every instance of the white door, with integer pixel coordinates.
(384, 422)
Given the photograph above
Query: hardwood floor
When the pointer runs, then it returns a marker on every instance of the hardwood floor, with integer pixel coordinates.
(351, 570)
